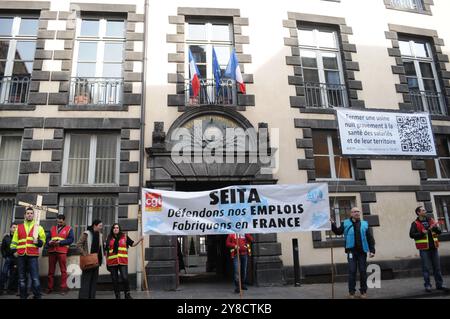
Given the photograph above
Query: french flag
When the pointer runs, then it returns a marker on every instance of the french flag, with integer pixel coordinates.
(194, 73)
(233, 71)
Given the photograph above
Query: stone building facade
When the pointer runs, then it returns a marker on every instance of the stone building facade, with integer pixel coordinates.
(300, 60)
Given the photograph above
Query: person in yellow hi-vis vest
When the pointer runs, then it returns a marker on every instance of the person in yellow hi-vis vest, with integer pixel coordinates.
(424, 230)
(27, 252)
(117, 245)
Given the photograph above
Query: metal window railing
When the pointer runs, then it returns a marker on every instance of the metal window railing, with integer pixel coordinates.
(325, 95)
(224, 94)
(427, 101)
(14, 89)
(416, 5)
(96, 91)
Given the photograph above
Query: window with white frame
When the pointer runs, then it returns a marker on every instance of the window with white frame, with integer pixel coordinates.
(10, 147)
(439, 168)
(97, 65)
(443, 212)
(408, 4)
(17, 47)
(340, 208)
(328, 160)
(322, 67)
(202, 250)
(80, 211)
(91, 159)
(423, 81)
(201, 37)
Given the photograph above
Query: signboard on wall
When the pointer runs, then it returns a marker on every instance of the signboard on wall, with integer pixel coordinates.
(385, 133)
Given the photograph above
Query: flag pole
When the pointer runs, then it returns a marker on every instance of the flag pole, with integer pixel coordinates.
(145, 282)
(332, 273)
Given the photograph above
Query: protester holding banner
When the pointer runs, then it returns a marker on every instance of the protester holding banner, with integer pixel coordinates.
(424, 230)
(358, 242)
(91, 242)
(117, 245)
(239, 244)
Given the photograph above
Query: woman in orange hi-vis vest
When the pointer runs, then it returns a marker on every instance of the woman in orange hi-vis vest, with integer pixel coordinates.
(117, 245)
(242, 243)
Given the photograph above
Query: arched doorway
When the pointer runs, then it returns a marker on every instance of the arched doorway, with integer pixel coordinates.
(198, 129)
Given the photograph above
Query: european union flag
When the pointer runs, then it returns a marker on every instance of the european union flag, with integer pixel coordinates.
(216, 71)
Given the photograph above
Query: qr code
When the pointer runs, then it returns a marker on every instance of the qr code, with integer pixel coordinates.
(414, 134)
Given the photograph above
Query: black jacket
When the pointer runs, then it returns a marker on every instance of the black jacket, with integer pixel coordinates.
(358, 243)
(6, 243)
(416, 235)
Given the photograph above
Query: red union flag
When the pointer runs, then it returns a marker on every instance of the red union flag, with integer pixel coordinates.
(153, 202)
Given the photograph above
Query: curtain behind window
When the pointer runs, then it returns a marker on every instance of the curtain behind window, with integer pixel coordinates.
(105, 169)
(9, 159)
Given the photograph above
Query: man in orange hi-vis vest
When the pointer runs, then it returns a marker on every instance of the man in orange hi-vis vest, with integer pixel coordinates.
(60, 239)
(242, 244)
(27, 250)
(424, 230)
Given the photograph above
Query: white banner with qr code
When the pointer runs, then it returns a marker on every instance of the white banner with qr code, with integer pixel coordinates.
(385, 133)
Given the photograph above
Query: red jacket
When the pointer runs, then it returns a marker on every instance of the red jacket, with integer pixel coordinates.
(244, 244)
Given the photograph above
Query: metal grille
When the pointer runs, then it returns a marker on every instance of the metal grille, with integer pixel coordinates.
(14, 89)
(324, 95)
(224, 94)
(96, 91)
(81, 211)
(427, 101)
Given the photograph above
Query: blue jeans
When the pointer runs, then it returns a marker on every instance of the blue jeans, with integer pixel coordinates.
(243, 260)
(29, 265)
(9, 274)
(357, 260)
(430, 260)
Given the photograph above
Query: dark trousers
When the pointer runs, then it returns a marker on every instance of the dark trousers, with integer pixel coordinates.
(88, 287)
(123, 269)
(430, 261)
(357, 260)
(29, 265)
(243, 260)
(8, 275)
(61, 259)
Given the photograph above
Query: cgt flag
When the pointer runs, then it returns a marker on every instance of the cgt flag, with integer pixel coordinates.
(233, 71)
(194, 74)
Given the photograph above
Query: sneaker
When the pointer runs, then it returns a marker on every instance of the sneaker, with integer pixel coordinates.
(428, 289)
(244, 288)
(443, 288)
(236, 290)
(351, 296)
(363, 295)
(48, 291)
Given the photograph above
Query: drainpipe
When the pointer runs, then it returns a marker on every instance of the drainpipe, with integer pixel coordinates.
(142, 142)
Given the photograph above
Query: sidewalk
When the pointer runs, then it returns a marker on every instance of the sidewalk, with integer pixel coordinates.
(390, 289)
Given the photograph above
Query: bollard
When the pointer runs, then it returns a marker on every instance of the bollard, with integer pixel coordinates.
(295, 254)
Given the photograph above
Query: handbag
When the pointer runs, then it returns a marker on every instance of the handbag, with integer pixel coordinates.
(89, 261)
